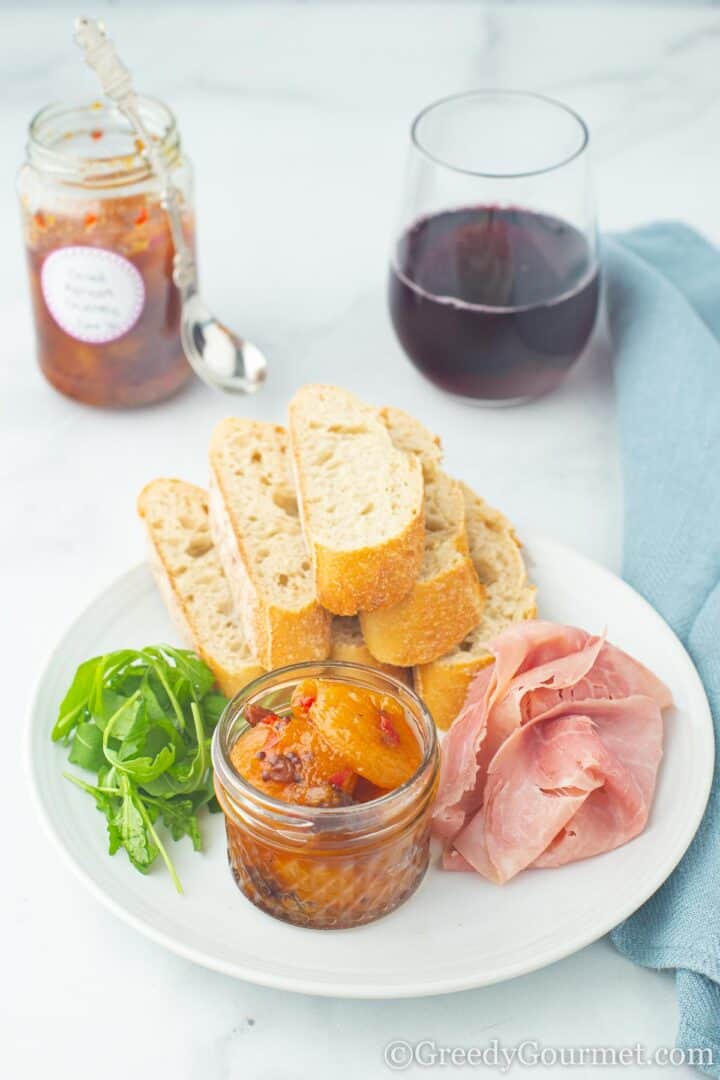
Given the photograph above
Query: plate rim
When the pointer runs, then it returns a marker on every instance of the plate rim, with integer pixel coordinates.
(369, 991)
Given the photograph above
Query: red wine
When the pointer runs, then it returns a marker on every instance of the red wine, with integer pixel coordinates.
(493, 303)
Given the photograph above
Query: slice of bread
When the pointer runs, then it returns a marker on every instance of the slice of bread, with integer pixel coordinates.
(348, 645)
(361, 501)
(410, 435)
(496, 556)
(447, 599)
(192, 582)
(256, 528)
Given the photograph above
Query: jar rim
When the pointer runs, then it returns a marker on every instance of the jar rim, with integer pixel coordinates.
(49, 144)
(328, 815)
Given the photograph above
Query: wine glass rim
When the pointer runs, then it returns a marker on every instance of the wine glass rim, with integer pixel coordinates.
(489, 92)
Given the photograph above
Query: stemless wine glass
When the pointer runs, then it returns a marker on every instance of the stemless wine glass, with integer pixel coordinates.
(494, 278)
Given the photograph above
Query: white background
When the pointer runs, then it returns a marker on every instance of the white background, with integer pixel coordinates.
(296, 117)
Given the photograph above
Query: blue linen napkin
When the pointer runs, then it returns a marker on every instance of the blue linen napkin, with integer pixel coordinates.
(663, 291)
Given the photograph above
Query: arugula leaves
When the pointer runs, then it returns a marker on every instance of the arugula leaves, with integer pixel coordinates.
(142, 720)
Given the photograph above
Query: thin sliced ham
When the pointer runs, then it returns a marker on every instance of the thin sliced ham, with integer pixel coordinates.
(528, 656)
(569, 784)
(631, 731)
(554, 755)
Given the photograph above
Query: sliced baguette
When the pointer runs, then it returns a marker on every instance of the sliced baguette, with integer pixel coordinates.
(348, 645)
(192, 582)
(447, 599)
(496, 555)
(410, 435)
(256, 529)
(361, 501)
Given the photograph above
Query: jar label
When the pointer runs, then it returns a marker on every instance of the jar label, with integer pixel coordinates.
(93, 295)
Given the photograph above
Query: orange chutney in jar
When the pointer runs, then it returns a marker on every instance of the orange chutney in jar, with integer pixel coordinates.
(326, 783)
(100, 254)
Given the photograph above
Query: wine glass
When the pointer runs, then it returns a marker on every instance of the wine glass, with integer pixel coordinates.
(494, 278)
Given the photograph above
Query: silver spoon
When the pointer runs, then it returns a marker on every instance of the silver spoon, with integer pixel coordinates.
(219, 357)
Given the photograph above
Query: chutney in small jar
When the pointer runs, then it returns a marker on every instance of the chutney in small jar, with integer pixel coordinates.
(100, 253)
(325, 773)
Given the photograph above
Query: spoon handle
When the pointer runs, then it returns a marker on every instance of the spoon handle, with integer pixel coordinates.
(115, 79)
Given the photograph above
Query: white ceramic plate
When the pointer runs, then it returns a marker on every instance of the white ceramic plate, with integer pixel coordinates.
(457, 931)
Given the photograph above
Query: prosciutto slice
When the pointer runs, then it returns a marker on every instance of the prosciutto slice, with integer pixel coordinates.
(527, 656)
(554, 756)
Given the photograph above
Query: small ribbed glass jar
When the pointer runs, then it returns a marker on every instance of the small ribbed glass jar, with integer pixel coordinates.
(100, 253)
(326, 867)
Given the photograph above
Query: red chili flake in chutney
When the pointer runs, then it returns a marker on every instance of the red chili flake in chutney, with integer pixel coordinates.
(96, 134)
(90, 220)
(389, 735)
(306, 702)
(142, 217)
(339, 779)
(256, 714)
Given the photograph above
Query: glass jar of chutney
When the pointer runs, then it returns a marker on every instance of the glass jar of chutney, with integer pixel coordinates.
(318, 863)
(100, 253)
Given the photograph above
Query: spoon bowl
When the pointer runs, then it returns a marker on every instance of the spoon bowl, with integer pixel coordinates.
(217, 355)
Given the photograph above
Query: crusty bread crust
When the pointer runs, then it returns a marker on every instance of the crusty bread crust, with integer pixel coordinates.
(358, 576)
(435, 615)
(277, 635)
(447, 599)
(495, 551)
(369, 578)
(348, 646)
(233, 668)
(443, 687)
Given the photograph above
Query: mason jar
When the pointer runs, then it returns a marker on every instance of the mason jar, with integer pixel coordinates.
(326, 867)
(100, 253)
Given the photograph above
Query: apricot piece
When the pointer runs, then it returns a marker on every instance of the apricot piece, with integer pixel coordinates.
(368, 729)
(321, 763)
(245, 760)
(290, 760)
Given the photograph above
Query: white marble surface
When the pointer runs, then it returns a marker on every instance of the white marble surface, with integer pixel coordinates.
(296, 118)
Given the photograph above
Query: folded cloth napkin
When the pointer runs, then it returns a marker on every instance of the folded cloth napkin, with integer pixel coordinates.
(663, 289)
